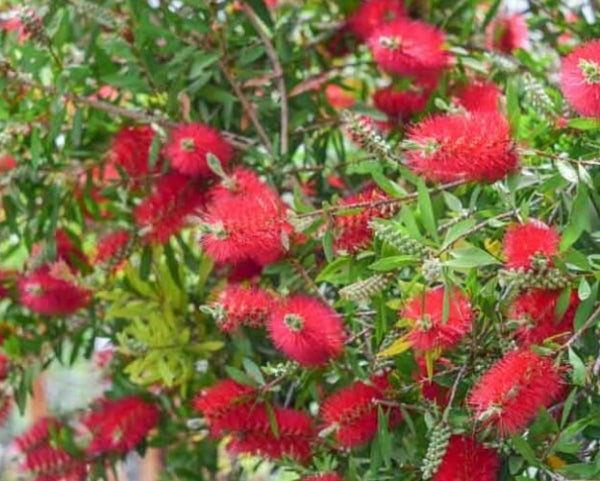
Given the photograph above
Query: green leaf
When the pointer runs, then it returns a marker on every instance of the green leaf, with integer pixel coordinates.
(584, 123)
(426, 209)
(469, 257)
(512, 105)
(578, 373)
(524, 449)
(253, 371)
(584, 290)
(393, 262)
(328, 245)
(261, 11)
(146, 263)
(457, 231)
(586, 307)
(567, 171)
(240, 376)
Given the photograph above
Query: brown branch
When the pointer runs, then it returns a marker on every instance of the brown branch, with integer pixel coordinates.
(277, 73)
(334, 209)
(235, 140)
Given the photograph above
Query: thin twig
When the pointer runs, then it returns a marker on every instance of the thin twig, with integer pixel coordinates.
(343, 207)
(590, 320)
(278, 74)
(235, 140)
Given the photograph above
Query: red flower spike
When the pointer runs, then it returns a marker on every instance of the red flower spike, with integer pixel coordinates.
(353, 412)
(580, 78)
(323, 477)
(473, 147)
(241, 182)
(408, 47)
(130, 150)
(6, 403)
(54, 464)
(307, 330)
(339, 97)
(536, 309)
(37, 435)
(246, 228)
(189, 146)
(523, 242)
(119, 425)
(242, 306)
(352, 231)
(164, 212)
(430, 330)
(7, 163)
(400, 105)
(467, 460)
(296, 434)
(45, 294)
(511, 393)
(480, 97)
(226, 405)
(112, 247)
(507, 33)
(371, 14)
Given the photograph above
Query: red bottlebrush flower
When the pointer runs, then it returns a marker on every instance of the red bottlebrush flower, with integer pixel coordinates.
(54, 464)
(246, 228)
(430, 389)
(45, 294)
(340, 42)
(6, 403)
(473, 147)
(372, 14)
(338, 97)
(130, 150)
(163, 213)
(307, 330)
(507, 33)
(244, 270)
(431, 331)
(242, 306)
(467, 460)
(480, 97)
(407, 47)
(112, 248)
(352, 231)
(580, 78)
(38, 434)
(353, 412)
(296, 434)
(400, 105)
(523, 242)
(189, 146)
(4, 366)
(536, 309)
(119, 425)
(511, 393)
(7, 163)
(241, 182)
(14, 24)
(323, 477)
(227, 405)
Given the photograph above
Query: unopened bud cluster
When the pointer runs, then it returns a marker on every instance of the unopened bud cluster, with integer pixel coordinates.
(540, 276)
(436, 450)
(365, 289)
(364, 133)
(391, 233)
(432, 270)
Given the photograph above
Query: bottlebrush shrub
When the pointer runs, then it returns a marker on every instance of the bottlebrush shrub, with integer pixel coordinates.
(397, 282)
